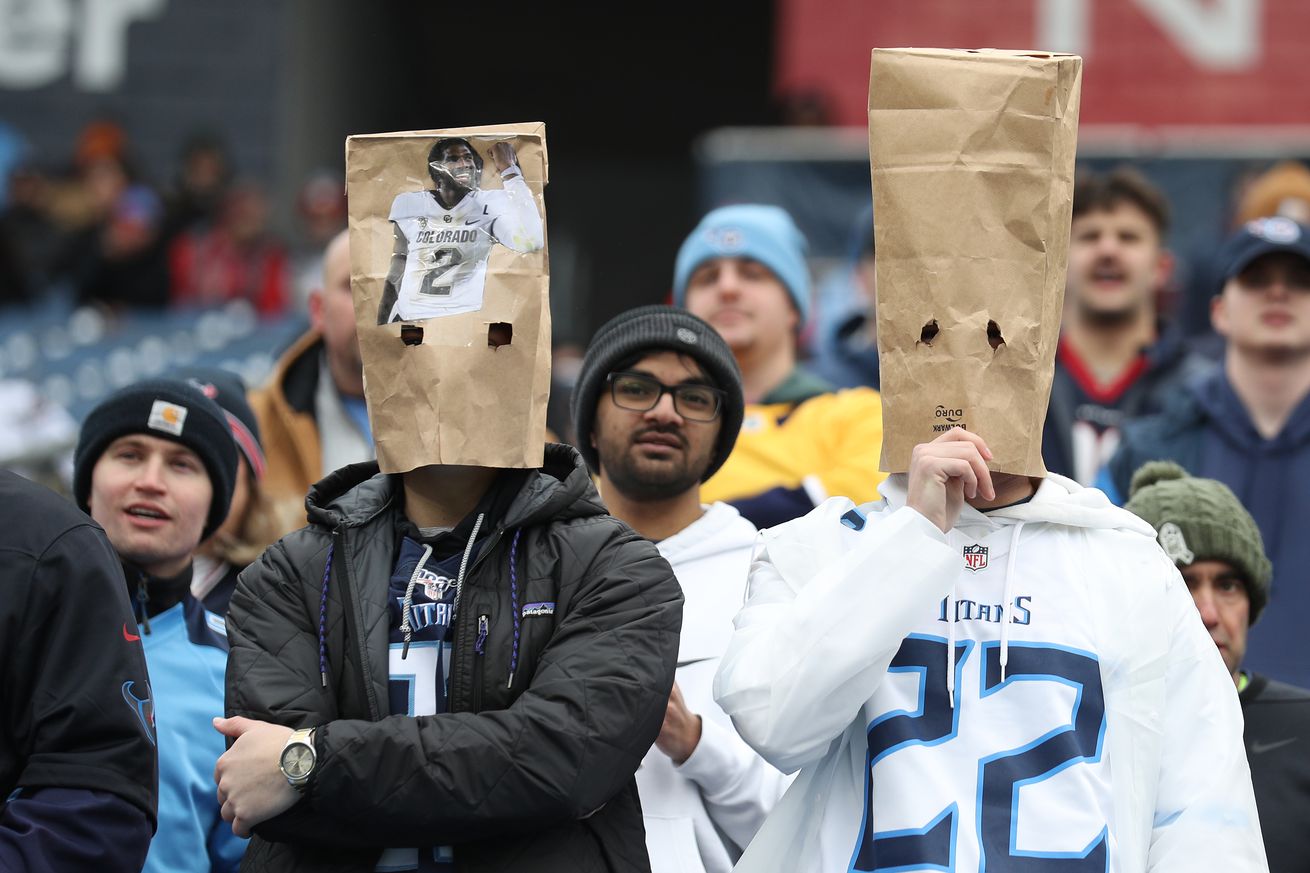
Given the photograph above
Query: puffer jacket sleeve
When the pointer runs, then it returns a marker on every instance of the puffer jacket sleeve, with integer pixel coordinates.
(568, 744)
(273, 667)
(273, 660)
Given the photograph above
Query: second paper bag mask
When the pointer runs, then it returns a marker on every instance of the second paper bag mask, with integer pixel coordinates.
(972, 154)
(450, 278)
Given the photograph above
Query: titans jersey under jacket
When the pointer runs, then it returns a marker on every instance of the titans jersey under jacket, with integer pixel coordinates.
(1032, 691)
(186, 653)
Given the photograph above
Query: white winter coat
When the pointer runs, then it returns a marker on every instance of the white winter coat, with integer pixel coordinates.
(1111, 740)
(700, 815)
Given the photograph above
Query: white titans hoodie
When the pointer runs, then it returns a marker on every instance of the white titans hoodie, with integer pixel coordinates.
(700, 815)
(1033, 691)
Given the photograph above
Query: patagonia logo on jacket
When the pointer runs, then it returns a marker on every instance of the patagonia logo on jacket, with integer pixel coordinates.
(539, 608)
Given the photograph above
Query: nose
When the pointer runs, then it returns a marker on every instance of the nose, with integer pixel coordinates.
(727, 281)
(1107, 245)
(150, 475)
(663, 412)
(1279, 288)
(1206, 606)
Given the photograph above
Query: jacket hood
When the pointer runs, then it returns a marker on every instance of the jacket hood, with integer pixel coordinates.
(559, 490)
(1058, 500)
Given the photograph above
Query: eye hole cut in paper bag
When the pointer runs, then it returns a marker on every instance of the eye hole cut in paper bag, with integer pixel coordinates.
(450, 276)
(972, 155)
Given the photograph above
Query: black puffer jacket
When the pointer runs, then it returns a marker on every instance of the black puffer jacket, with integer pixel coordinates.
(534, 776)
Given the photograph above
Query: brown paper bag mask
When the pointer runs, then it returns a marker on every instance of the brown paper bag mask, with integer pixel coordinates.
(972, 154)
(450, 277)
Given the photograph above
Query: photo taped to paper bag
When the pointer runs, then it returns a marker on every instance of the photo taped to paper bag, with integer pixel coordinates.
(444, 233)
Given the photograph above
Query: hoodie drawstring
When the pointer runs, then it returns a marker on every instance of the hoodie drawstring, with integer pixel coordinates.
(1006, 597)
(464, 562)
(950, 647)
(322, 615)
(1006, 617)
(406, 628)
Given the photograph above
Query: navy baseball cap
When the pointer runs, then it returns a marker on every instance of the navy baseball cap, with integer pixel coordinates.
(1262, 237)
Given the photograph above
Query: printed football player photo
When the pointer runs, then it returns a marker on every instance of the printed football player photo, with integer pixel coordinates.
(444, 235)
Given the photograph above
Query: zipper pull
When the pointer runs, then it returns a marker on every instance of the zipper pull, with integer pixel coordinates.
(480, 643)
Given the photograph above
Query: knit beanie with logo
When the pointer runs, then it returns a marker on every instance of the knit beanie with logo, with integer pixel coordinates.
(169, 409)
(652, 329)
(1201, 520)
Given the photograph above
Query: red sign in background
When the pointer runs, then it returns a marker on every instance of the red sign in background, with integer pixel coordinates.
(1147, 63)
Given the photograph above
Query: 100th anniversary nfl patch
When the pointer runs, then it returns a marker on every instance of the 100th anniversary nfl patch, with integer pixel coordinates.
(975, 557)
(167, 417)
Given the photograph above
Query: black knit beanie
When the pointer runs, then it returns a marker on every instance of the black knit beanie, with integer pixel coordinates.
(651, 329)
(1201, 520)
(169, 409)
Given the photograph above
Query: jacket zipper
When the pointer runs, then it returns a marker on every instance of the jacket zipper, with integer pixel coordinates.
(479, 649)
(462, 630)
(349, 594)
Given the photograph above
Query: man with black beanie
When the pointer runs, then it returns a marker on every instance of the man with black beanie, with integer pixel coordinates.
(657, 408)
(1215, 543)
(155, 466)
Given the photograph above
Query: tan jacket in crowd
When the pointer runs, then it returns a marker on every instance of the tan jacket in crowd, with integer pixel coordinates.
(290, 436)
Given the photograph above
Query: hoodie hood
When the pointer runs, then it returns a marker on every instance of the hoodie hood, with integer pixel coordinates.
(711, 558)
(1058, 500)
(1223, 410)
(720, 531)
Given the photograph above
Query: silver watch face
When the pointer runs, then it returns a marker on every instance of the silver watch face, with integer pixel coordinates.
(297, 761)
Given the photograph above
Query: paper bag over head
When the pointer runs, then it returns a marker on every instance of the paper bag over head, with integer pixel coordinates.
(972, 154)
(450, 276)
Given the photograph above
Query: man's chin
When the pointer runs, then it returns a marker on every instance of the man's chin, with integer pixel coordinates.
(1108, 313)
(653, 480)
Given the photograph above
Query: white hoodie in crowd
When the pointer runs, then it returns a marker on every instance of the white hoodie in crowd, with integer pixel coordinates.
(1075, 716)
(700, 815)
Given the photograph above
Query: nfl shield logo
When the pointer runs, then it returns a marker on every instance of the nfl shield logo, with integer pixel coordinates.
(975, 557)
(435, 585)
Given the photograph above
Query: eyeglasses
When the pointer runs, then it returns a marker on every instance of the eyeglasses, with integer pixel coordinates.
(641, 393)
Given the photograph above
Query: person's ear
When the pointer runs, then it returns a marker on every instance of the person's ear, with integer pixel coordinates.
(315, 303)
(1219, 315)
(1164, 268)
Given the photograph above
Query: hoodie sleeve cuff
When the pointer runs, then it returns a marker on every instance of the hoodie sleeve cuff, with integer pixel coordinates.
(920, 523)
(712, 765)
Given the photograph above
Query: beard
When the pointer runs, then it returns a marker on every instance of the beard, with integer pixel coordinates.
(1108, 319)
(641, 479)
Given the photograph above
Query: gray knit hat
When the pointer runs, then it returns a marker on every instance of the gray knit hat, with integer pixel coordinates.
(650, 329)
(1201, 520)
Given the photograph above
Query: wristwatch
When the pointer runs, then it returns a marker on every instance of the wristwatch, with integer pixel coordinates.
(298, 758)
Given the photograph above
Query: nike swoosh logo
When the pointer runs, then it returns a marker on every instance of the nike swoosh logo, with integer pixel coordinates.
(130, 637)
(1261, 748)
(682, 664)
